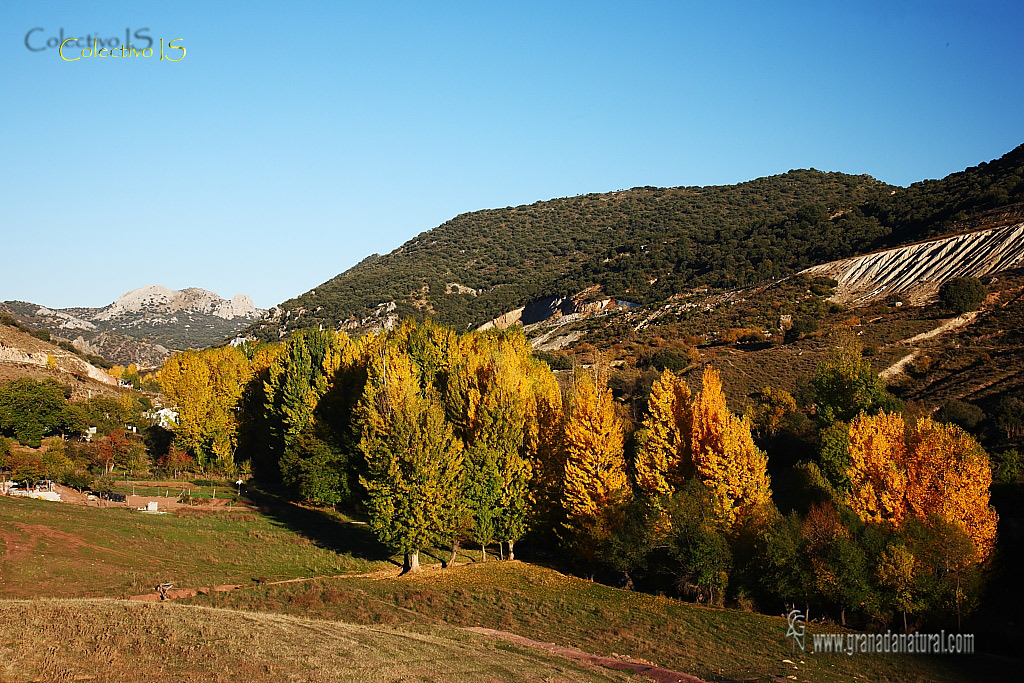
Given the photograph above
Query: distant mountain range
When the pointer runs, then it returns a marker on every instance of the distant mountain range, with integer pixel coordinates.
(643, 246)
(142, 326)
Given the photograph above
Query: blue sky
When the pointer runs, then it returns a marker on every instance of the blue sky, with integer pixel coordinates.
(295, 138)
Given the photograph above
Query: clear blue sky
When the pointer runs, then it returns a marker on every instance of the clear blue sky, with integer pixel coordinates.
(295, 138)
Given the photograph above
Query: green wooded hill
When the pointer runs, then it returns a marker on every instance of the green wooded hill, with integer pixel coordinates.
(646, 244)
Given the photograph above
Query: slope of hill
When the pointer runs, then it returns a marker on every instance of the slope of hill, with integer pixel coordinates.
(143, 325)
(24, 355)
(648, 244)
(916, 271)
(70, 640)
(637, 245)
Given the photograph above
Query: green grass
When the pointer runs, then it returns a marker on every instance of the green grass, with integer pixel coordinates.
(224, 492)
(69, 640)
(547, 606)
(54, 550)
(60, 550)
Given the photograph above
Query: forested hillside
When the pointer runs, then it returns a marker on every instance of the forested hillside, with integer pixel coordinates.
(642, 245)
(646, 244)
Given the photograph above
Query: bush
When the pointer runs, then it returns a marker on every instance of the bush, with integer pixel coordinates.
(1008, 467)
(962, 294)
(964, 415)
(81, 481)
(667, 359)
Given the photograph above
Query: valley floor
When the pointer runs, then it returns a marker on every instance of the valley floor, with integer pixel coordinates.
(318, 601)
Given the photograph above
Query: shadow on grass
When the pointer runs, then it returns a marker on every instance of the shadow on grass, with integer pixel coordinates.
(325, 529)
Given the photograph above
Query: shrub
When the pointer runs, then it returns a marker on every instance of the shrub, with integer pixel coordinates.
(962, 294)
(960, 413)
(79, 480)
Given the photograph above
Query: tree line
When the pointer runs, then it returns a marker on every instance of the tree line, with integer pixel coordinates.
(443, 438)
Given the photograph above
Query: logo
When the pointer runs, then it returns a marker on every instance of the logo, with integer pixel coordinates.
(796, 628)
(39, 43)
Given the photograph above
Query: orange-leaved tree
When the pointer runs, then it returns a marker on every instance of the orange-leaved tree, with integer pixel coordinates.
(725, 458)
(595, 467)
(931, 468)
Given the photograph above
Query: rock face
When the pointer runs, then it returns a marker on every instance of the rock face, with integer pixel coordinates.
(915, 272)
(24, 355)
(159, 299)
(559, 310)
(144, 325)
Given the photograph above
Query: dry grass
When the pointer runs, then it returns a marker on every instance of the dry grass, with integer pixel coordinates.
(716, 645)
(103, 640)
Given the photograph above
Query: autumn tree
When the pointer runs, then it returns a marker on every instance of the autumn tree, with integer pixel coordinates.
(491, 397)
(772, 408)
(896, 574)
(725, 458)
(544, 447)
(595, 468)
(877, 469)
(664, 458)
(205, 388)
(56, 464)
(119, 450)
(414, 462)
(951, 476)
(932, 468)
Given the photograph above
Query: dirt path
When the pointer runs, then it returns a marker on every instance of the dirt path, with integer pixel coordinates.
(655, 673)
(897, 367)
(951, 324)
(946, 326)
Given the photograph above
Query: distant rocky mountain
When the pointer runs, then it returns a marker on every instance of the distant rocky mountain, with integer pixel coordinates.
(145, 325)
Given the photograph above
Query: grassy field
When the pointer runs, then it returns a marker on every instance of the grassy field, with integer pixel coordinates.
(183, 489)
(716, 645)
(67, 551)
(102, 640)
(58, 550)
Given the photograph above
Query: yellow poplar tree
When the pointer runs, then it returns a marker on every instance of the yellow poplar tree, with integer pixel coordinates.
(543, 442)
(725, 458)
(951, 476)
(664, 460)
(414, 462)
(932, 468)
(205, 388)
(595, 467)
(878, 468)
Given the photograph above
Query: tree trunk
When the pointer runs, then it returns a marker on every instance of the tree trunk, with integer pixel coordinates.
(904, 621)
(483, 552)
(451, 560)
(842, 617)
(511, 551)
(412, 562)
(501, 550)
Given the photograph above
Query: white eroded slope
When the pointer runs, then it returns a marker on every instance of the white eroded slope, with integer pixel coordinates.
(916, 271)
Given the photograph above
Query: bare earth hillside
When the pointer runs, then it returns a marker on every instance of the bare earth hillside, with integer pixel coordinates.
(22, 355)
(916, 271)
